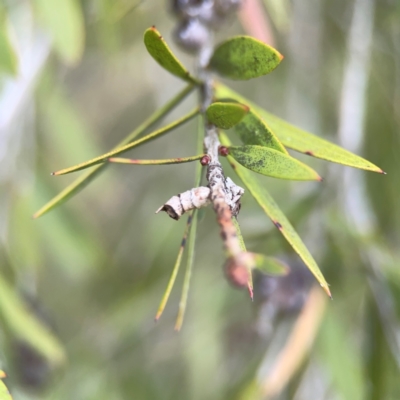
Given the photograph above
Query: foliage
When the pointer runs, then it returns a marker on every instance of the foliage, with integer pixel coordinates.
(237, 58)
(98, 265)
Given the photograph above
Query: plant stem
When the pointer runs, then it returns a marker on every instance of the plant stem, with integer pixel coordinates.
(86, 178)
(225, 204)
(119, 150)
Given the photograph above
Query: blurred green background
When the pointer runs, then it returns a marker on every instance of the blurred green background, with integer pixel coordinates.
(79, 287)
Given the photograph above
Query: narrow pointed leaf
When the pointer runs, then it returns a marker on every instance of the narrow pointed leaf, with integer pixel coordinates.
(239, 234)
(23, 325)
(175, 270)
(160, 51)
(300, 140)
(154, 135)
(192, 236)
(226, 115)
(188, 273)
(312, 145)
(273, 163)
(82, 181)
(279, 219)
(243, 247)
(270, 265)
(243, 57)
(166, 161)
(8, 58)
(252, 130)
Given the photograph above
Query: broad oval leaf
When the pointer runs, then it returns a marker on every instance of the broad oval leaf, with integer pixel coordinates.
(273, 163)
(243, 57)
(270, 265)
(278, 218)
(226, 115)
(252, 130)
(300, 140)
(160, 51)
(64, 20)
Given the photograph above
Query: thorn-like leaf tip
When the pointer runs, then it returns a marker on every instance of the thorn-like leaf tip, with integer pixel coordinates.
(327, 291)
(320, 178)
(52, 173)
(281, 56)
(383, 172)
(251, 293)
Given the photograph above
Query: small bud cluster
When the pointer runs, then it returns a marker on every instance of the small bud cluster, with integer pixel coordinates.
(196, 17)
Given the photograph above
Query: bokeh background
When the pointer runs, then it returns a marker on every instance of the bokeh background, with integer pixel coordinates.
(79, 287)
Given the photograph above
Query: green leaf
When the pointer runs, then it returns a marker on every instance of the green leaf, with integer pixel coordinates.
(160, 51)
(300, 140)
(175, 270)
(165, 161)
(64, 20)
(239, 234)
(270, 265)
(154, 135)
(24, 326)
(266, 265)
(188, 272)
(4, 392)
(226, 115)
(345, 368)
(312, 145)
(269, 206)
(254, 131)
(81, 182)
(273, 163)
(243, 57)
(8, 58)
(243, 248)
(192, 236)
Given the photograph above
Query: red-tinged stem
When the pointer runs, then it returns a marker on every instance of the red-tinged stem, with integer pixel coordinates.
(225, 195)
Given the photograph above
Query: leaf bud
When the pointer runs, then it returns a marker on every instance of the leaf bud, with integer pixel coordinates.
(205, 160)
(223, 151)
